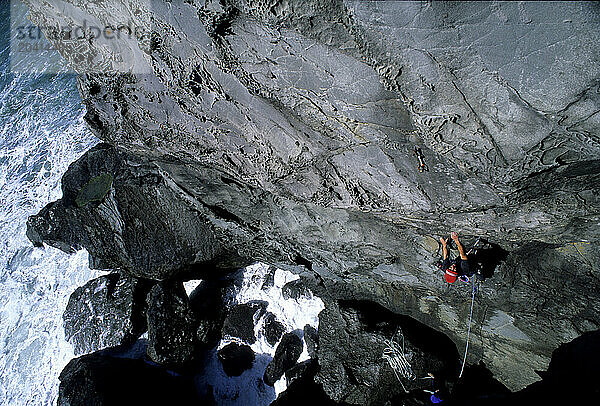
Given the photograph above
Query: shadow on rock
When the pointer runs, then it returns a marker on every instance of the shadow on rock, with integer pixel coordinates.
(487, 258)
(572, 378)
(103, 378)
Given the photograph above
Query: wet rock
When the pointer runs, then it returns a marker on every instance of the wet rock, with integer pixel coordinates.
(286, 354)
(241, 319)
(269, 280)
(294, 290)
(236, 358)
(106, 311)
(272, 328)
(311, 338)
(172, 326)
(206, 302)
(302, 370)
(98, 379)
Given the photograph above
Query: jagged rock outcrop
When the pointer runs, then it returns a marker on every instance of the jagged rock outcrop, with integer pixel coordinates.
(103, 379)
(284, 131)
(286, 354)
(139, 222)
(294, 289)
(272, 328)
(105, 312)
(269, 280)
(236, 358)
(172, 326)
(206, 302)
(311, 338)
(241, 319)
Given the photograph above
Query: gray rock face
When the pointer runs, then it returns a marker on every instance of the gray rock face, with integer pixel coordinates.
(352, 340)
(120, 230)
(172, 326)
(286, 354)
(105, 312)
(284, 131)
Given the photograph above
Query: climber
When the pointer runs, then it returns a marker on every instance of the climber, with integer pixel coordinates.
(434, 392)
(458, 267)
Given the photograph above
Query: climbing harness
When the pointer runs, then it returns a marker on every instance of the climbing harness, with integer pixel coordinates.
(451, 274)
(422, 166)
(395, 356)
(469, 328)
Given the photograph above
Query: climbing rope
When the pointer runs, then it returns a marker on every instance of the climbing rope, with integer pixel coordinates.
(469, 329)
(394, 354)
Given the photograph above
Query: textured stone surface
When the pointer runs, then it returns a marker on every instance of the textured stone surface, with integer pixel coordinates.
(272, 328)
(106, 311)
(286, 354)
(311, 338)
(172, 326)
(143, 225)
(241, 319)
(294, 289)
(352, 339)
(287, 129)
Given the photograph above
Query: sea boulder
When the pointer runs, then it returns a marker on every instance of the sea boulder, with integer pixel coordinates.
(105, 312)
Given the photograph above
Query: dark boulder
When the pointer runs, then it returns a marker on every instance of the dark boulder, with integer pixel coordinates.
(236, 358)
(302, 389)
(301, 370)
(99, 379)
(273, 329)
(207, 304)
(286, 354)
(106, 311)
(294, 290)
(241, 319)
(171, 325)
(311, 338)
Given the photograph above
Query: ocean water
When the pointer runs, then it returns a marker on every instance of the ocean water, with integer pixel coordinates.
(41, 133)
(248, 388)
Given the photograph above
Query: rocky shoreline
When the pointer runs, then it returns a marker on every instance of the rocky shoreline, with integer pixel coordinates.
(283, 132)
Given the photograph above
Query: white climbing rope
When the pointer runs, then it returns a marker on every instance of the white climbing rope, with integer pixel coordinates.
(468, 330)
(396, 358)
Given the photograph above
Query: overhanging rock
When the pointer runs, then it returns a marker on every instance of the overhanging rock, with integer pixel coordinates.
(284, 131)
